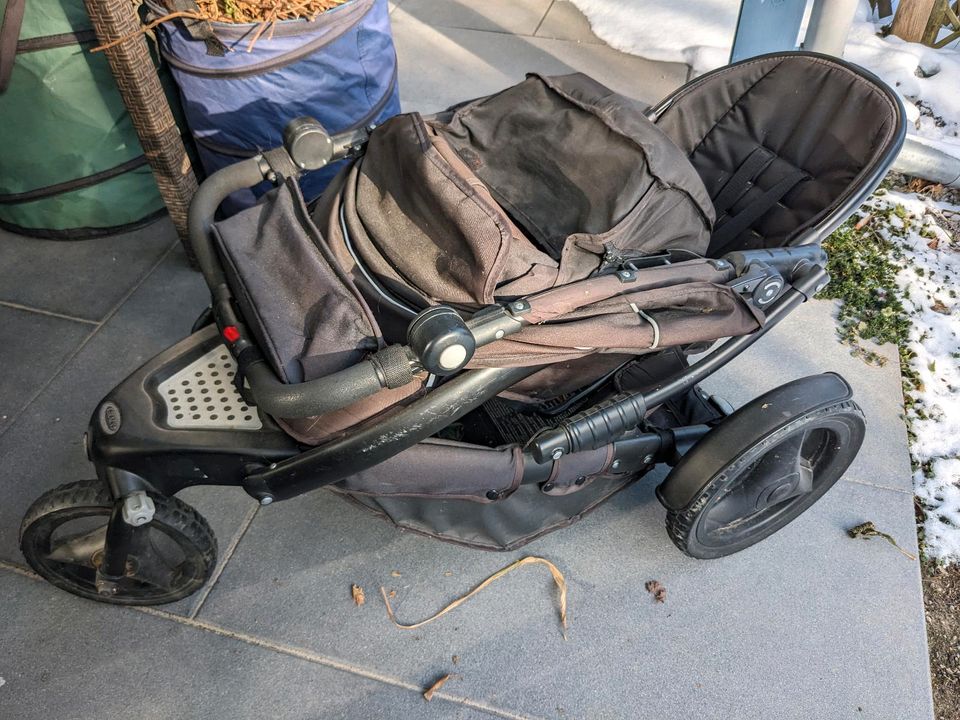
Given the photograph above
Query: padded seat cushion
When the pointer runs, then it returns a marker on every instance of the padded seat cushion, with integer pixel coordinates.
(815, 114)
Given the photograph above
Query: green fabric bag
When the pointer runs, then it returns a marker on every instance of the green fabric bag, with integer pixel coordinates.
(71, 166)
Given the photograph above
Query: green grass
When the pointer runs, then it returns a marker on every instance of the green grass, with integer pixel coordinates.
(863, 268)
(863, 275)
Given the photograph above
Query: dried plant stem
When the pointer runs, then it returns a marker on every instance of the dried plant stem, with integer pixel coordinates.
(557, 578)
(146, 28)
(265, 13)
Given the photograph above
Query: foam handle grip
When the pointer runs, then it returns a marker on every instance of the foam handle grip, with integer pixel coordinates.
(591, 429)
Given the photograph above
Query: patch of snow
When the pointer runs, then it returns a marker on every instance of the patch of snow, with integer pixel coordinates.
(927, 80)
(929, 283)
(696, 32)
(700, 34)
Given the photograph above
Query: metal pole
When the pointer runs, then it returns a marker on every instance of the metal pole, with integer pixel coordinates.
(920, 160)
(830, 22)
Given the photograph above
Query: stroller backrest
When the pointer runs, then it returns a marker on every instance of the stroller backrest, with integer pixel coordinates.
(784, 143)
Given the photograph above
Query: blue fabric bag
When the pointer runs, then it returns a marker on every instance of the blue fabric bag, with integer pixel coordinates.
(340, 69)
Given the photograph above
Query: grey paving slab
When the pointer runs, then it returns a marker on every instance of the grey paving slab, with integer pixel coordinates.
(44, 448)
(32, 347)
(521, 17)
(84, 279)
(74, 660)
(808, 624)
(564, 21)
(440, 66)
(805, 344)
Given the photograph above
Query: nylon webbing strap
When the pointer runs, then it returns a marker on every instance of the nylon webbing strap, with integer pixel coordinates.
(756, 162)
(281, 163)
(9, 34)
(727, 231)
(198, 29)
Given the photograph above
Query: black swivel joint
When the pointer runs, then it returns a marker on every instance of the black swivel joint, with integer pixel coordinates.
(441, 340)
(308, 143)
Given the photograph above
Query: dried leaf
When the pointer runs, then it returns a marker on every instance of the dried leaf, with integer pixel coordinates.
(934, 244)
(456, 659)
(447, 573)
(395, 573)
(868, 530)
(428, 693)
(557, 578)
(393, 593)
(357, 592)
(939, 307)
(658, 591)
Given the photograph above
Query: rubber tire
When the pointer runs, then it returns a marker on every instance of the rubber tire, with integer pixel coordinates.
(93, 495)
(682, 525)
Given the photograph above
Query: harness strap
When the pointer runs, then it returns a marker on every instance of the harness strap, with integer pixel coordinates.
(756, 162)
(730, 226)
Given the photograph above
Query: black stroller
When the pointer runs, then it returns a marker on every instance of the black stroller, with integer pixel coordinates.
(483, 328)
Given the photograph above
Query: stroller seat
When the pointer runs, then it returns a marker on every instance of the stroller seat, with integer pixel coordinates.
(780, 143)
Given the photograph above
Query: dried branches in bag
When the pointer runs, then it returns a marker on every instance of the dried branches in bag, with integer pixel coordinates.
(265, 13)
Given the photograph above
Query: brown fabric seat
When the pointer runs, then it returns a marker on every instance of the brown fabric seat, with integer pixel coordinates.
(808, 113)
(516, 193)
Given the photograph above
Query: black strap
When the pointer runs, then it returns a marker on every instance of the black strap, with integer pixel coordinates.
(730, 227)
(198, 29)
(9, 34)
(281, 163)
(75, 184)
(756, 162)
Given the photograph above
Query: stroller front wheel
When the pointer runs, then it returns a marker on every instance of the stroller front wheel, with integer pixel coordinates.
(62, 536)
(773, 476)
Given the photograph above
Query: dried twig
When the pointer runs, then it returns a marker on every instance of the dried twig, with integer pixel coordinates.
(148, 27)
(868, 530)
(557, 578)
(428, 693)
(265, 13)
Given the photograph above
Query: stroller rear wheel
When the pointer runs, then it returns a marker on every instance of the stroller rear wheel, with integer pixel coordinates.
(773, 476)
(63, 533)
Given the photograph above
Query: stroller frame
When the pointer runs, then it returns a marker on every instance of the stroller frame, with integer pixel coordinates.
(141, 459)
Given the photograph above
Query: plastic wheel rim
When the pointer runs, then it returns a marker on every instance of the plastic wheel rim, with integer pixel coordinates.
(79, 577)
(770, 486)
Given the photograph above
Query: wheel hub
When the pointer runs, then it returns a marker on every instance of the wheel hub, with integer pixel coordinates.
(777, 491)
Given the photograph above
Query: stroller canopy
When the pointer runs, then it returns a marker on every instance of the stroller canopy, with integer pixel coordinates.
(519, 192)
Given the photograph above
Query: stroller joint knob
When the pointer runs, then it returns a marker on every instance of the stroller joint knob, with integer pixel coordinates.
(441, 340)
